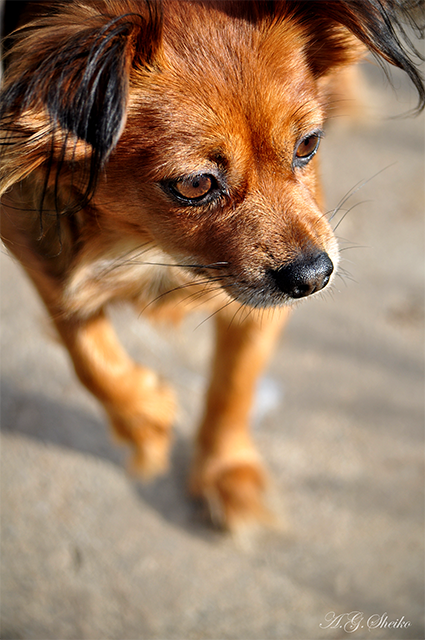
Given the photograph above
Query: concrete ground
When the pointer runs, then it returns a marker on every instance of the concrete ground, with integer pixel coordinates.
(89, 553)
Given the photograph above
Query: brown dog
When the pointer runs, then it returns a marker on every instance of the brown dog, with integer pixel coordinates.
(165, 153)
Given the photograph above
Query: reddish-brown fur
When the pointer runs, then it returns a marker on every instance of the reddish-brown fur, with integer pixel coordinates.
(221, 89)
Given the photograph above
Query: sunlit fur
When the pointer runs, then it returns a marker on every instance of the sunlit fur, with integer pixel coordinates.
(106, 105)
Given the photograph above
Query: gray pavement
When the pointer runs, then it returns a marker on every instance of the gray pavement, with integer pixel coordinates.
(89, 553)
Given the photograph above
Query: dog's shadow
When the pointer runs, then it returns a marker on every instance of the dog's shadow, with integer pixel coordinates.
(41, 418)
(169, 494)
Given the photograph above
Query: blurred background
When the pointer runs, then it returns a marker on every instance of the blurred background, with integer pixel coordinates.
(89, 553)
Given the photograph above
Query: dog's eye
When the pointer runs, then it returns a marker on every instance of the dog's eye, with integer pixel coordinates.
(194, 187)
(306, 149)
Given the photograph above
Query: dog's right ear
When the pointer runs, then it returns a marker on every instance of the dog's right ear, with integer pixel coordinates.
(66, 83)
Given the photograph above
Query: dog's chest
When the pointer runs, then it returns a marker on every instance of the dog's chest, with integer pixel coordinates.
(149, 279)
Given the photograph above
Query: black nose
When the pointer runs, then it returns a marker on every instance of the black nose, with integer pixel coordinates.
(304, 276)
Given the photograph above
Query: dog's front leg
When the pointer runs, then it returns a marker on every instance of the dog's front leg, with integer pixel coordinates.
(227, 470)
(140, 406)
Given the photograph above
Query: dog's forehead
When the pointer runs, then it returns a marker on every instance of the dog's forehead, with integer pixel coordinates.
(218, 54)
(226, 81)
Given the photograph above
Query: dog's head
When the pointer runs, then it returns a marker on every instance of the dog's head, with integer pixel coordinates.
(194, 126)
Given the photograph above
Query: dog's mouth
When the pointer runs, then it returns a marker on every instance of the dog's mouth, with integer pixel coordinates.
(303, 276)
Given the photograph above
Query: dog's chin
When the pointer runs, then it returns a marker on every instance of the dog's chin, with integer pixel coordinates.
(266, 297)
(261, 299)
(265, 294)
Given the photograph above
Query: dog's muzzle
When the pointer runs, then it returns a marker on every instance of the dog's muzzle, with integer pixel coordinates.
(304, 275)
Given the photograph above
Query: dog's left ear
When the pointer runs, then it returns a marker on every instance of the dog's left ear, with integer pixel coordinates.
(66, 84)
(381, 25)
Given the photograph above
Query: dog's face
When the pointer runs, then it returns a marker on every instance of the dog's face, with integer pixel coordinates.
(199, 125)
(218, 158)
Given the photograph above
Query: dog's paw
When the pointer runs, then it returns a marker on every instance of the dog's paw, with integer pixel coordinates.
(234, 492)
(151, 451)
(145, 423)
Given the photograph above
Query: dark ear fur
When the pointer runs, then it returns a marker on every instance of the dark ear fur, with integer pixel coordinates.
(75, 64)
(381, 25)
